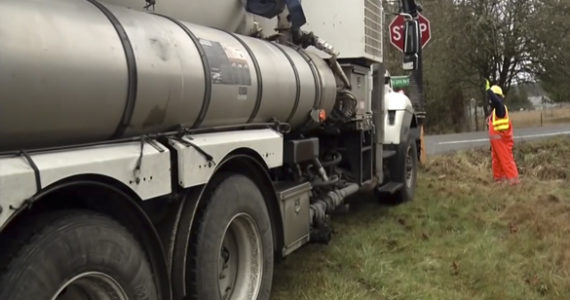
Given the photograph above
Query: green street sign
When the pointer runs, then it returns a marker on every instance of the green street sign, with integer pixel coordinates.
(399, 82)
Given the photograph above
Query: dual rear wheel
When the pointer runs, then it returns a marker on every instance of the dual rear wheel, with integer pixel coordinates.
(232, 248)
(82, 255)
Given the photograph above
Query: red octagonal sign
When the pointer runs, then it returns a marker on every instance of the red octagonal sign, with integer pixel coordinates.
(397, 31)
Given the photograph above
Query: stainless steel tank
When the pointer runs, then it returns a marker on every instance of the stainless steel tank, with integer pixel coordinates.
(229, 15)
(74, 71)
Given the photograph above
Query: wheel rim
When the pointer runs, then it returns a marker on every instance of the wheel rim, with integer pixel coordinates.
(241, 259)
(409, 167)
(91, 285)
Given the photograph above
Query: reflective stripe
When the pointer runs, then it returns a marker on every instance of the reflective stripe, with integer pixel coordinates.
(501, 124)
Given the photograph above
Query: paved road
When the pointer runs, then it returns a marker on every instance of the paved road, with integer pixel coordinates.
(436, 144)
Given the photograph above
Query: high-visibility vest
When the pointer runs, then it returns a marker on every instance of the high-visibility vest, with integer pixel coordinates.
(501, 124)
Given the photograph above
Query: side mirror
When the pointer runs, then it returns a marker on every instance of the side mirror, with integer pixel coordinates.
(412, 41)
(411, 45)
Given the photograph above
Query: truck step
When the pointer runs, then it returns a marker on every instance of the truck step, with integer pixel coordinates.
(388, 153)
(391, 187)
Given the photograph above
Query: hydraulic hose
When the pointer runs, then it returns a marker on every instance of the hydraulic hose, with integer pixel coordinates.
(330, 202)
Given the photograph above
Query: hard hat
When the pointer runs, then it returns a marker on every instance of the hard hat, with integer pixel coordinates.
(497, 90)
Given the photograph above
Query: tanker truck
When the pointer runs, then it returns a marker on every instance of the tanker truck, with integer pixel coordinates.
(177, 149)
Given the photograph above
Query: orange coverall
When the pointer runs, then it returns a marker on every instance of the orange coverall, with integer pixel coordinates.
(504, 166)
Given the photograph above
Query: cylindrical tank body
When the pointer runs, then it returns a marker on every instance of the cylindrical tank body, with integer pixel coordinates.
(74, 71)
(229, 15)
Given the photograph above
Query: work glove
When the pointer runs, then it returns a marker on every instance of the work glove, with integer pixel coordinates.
(487, 85)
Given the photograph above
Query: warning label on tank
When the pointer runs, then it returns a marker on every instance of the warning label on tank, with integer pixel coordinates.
(227, 65)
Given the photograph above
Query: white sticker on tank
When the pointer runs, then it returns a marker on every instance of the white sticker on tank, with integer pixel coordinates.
(236, 55)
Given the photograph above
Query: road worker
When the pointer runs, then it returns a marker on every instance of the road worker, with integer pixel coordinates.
(501, 137)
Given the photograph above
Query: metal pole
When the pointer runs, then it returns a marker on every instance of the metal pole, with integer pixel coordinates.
(378, 75)
(417, 76)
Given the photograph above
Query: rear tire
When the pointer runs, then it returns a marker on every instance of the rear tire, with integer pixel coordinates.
(232, 249)
(403, 168)
(77, 255)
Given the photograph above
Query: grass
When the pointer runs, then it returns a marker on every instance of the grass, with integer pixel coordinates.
(532, 118)
(463, 237)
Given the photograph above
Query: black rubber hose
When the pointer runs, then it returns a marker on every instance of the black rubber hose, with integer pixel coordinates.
(335, 161)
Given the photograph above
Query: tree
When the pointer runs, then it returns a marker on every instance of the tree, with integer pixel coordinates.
(554, 46)
(510, 42)
(499, 42)
(518, 97)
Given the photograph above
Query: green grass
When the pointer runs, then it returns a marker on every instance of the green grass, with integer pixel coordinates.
(463, 237)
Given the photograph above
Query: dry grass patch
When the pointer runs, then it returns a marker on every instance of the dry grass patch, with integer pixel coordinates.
(532, 118)
(463, 237)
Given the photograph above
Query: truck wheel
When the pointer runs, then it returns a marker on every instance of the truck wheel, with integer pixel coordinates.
(74, 255)
(232, 248)
(404, 169)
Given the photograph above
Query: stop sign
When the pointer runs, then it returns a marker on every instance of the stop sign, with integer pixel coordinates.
(397, 31)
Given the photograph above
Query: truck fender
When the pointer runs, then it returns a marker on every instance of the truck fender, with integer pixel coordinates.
(109, 197)
(399, 119)
(398, 125)
(411, 129)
